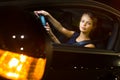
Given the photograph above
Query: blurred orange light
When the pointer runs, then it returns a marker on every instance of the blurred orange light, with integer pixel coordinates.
(13, 62)
(21, 67)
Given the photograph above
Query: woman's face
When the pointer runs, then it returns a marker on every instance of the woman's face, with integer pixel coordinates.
(86, 24)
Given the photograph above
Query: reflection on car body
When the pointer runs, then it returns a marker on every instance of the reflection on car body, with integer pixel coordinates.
(68, 62)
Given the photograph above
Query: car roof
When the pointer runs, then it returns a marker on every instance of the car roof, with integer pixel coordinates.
(45, 3)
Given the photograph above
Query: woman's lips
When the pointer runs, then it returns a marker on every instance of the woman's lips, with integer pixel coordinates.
(83, 28)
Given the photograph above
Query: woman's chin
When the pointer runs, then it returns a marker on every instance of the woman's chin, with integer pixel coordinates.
(83, 31)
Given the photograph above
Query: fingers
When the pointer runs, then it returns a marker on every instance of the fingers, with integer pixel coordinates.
(48, 29)
(47, 24)
(37, 13)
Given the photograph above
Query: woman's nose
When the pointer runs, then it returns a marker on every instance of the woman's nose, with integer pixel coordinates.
(84, 24)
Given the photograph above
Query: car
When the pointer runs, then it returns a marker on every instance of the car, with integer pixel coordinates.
(22, 34)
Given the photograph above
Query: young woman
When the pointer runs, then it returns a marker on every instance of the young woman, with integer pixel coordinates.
(87, 25)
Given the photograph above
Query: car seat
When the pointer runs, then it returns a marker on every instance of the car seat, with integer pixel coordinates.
(103, 35)
(113, 37)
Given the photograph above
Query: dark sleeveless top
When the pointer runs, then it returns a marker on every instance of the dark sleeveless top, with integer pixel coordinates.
(72, 41)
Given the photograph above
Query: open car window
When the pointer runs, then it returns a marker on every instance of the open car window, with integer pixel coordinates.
(104, 37)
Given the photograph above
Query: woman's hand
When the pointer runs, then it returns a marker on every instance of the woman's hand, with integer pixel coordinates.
(51, 34)
(48, 29)
(55, 23)
(45, 13)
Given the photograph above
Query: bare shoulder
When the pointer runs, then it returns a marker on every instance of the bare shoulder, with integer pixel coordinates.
(90, 45)
(68, 33)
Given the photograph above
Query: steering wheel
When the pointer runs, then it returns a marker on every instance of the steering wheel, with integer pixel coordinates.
(42, 19)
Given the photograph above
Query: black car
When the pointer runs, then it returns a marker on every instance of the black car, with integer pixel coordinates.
(23, 33)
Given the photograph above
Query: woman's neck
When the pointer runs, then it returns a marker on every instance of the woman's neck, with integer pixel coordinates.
(82, 37)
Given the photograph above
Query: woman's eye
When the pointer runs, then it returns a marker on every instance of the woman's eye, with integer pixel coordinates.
(82, 21)
(89, 23)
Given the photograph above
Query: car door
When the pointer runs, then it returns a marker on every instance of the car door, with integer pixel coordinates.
(70, 62)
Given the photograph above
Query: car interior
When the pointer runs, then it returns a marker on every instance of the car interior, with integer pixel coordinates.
(105, 35)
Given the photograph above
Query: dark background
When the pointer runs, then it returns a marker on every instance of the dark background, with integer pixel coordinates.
(113, 3)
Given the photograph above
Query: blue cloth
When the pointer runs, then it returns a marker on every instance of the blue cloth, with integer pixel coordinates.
(72, 41)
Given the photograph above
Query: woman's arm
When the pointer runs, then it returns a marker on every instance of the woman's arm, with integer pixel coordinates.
(55, 23)
(90, 46)
(52, 36)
